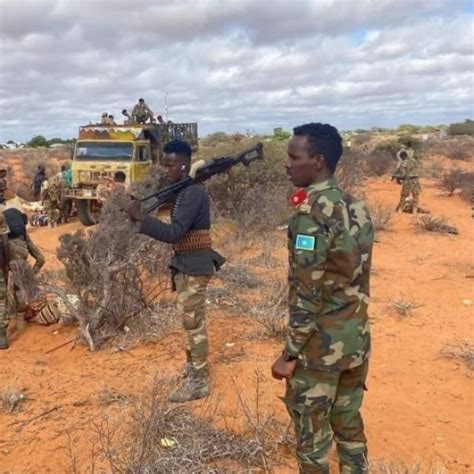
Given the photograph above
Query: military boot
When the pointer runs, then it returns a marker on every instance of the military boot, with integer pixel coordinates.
(20, 321)
(3, 338)
(196, 386)
(188, 366)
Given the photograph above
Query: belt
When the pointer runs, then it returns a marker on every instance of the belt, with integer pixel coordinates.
(194, 241)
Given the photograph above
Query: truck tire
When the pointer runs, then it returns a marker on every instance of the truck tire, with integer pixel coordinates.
(84, 211)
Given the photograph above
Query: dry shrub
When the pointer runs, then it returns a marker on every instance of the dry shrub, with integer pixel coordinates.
(28, 161)
(271, 312)
(459, 148)
(403, 307)
(265, 258)
(162, 438)
(440, 225)
(262, 209)
(120, 276)
(239, 276)
(456, 179)
(381, 467)
(462, 351)
(379, 162)
(350, 173)
(256, 197)
(381, 216)
(361, 138)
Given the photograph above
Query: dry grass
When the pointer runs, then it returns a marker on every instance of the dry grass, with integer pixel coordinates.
(107, 396)
(12, 399)
(239, 276)
(381, 467)
(381, 216)
(271, 313)
(439, 225)
(160, 437)
(462, 351)
(402, 306)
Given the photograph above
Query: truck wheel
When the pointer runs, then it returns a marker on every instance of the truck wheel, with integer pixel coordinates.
(85, 212)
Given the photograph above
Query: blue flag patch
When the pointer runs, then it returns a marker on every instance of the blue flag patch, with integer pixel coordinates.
(305, 242)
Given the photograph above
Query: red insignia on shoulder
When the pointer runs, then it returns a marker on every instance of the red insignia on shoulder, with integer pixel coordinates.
(298, 197)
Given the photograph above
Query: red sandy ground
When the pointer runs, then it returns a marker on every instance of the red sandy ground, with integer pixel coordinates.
(419, 406)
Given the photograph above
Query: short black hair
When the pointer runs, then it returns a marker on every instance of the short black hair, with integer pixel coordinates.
(179, 147)
(141, 100)
(322, 138)
(63, 168)
(119, 177)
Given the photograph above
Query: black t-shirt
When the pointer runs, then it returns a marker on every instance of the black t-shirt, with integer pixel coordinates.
(191, 211)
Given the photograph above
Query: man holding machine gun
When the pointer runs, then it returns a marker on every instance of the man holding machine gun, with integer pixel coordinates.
(192, 266)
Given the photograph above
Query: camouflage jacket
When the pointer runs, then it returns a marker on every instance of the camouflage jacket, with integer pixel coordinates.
(408, 168)
(141, 110)
(330, 238)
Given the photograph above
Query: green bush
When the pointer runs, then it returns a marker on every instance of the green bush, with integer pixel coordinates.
(466, 128)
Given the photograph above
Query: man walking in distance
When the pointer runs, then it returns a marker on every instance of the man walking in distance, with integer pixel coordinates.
(325, 360)
(407, 175)
(193, 263)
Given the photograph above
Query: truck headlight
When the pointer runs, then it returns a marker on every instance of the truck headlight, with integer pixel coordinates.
(84, 176)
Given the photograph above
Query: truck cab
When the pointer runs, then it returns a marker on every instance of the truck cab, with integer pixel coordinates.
(102, 150)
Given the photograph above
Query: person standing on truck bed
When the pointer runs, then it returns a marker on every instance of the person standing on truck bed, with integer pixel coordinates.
(141, 113)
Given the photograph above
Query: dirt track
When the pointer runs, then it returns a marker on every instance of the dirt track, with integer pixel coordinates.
(419, 405)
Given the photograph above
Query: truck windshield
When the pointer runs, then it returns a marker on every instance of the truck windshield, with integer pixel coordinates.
(95, 151)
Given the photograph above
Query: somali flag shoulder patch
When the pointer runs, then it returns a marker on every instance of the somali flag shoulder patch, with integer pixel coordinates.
(305, 242)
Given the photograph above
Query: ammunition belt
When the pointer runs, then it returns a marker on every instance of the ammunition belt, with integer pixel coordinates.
(194, 241)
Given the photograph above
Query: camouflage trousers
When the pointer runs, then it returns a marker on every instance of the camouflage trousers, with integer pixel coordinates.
(410, 186)
(3, 302)
(54, 213)
(191, 303)
(19, 252)
(323, 406)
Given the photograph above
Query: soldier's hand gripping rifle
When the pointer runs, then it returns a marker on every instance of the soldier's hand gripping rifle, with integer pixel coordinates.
(206, 171)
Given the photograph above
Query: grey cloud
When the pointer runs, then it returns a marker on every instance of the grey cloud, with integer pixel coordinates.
(234, 65)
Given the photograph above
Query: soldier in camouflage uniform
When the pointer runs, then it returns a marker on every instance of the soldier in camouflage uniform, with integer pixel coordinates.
(141, 113)
(21, 246)
(4, 261)
(51, 199)
(192, 266)
(407, 176)
(325, 360)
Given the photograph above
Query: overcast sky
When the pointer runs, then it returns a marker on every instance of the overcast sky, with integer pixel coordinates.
(235, 65)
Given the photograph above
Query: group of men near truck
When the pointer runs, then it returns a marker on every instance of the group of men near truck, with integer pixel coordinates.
(52, 194)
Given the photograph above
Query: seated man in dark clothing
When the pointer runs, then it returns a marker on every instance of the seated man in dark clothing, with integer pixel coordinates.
(193, 264)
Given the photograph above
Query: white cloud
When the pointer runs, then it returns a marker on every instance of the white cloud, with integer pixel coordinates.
(234, 65)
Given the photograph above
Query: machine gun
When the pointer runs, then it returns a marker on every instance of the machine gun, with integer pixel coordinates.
(203, 173)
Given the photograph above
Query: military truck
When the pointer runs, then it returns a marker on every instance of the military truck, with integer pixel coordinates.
(102, 150)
